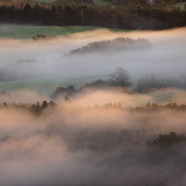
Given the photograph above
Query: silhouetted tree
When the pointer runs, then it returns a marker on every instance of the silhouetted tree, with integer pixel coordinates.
(44, 105)
(120, 77)
(167, 140)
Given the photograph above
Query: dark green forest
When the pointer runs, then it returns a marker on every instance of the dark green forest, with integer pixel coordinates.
(140, 16)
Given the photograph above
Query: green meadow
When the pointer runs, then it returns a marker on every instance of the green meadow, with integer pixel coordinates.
(45, 85)
(102, 2)
(28, 31)
(180, 5)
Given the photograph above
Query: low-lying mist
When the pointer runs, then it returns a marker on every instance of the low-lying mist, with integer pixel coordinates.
(22, 59)
(95, 138)
(111, 136)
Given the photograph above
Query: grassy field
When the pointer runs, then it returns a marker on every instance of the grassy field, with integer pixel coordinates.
(28, 31)
(46, 85)
(102, 3)
(181, 5)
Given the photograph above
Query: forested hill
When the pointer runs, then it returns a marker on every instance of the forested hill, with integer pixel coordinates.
(116, 45)
(141, 17)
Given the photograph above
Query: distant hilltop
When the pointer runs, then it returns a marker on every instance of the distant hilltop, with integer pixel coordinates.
(118, 44)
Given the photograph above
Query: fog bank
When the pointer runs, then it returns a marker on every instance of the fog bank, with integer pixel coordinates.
(98, 136)
(166, 56)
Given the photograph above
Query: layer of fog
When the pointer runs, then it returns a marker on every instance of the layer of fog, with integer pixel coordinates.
(74, 145)
(166, 57)
(93, 96)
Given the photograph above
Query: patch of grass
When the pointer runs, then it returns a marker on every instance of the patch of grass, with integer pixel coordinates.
(102, 2)
(28, 31)
(46, 85)
(181, 5)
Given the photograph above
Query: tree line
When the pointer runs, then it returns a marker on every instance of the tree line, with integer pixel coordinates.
(119, 78)
(118, 44)
(141, 17)
(38, 108)
(122, 78)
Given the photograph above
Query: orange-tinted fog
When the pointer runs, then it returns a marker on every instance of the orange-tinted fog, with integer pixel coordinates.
(85, 142)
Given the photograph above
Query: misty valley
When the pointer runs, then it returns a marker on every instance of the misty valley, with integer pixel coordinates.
(93, 108)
